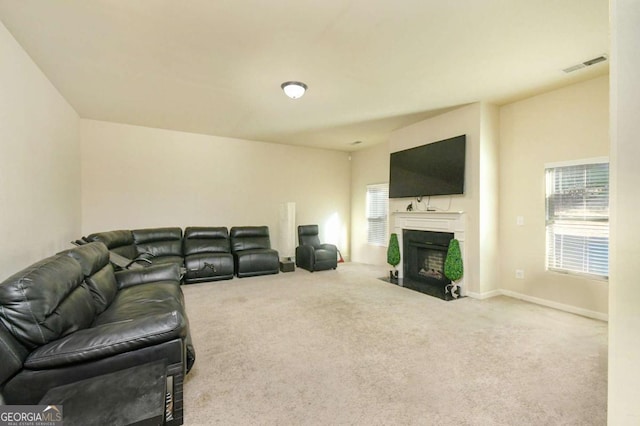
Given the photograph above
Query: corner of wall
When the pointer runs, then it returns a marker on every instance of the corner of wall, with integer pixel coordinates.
(39, 162)
(489, 188)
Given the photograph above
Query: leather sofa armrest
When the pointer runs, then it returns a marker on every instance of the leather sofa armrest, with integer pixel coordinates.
(331, 247)
(305, 256)
(166, 272)
(137, 263)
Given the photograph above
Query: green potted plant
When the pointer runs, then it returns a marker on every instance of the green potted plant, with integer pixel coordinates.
(393, 257)
(453, 268)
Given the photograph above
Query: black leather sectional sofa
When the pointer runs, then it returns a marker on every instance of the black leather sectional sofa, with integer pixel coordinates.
(71, 317)
(79, 315)
(205, 253)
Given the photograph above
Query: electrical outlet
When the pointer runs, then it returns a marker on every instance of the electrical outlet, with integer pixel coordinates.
(520, 274)
(520, 220)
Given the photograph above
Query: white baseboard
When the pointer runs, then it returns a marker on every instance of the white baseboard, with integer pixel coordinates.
(486, 295)
(544, 302)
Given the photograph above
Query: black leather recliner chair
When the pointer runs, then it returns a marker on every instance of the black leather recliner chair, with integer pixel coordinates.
(252, 252)
(313, 255)
(207, 254)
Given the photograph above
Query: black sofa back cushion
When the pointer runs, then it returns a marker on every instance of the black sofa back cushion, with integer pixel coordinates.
(103, 287)
(45, 301)
(249, 238)
(98, 272)
(205, 240)
(159, 241)
(308, 235)
(120, 242)
(92, 257)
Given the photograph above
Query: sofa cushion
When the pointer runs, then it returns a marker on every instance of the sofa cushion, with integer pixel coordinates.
(249, 238)
(141, 300)
(45, 301)
(154, 273)
(98, 272)
(205, 240)
(257, 262)
(165, 260)
(109, 339)
(120, 242)
(103, 288)
(92, 257)
(159, 241)
(208, 267)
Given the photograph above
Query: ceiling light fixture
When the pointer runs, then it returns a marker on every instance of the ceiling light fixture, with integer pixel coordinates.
(294, 89)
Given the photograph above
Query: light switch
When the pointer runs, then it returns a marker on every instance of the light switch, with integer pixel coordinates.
(520, 220)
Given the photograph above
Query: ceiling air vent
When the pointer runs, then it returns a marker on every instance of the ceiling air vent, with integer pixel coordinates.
(585, 64)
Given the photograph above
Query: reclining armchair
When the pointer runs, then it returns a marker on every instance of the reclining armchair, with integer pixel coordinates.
(313, 255)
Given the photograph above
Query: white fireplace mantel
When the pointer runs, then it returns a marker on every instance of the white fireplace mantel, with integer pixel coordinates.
(436, 221)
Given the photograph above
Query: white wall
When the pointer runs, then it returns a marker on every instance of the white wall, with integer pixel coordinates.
(566, 124)
(139, 177)
(624, 304)
(368, 166)
(39, 163)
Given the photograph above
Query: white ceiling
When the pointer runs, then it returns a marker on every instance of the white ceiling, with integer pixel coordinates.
(215, 66)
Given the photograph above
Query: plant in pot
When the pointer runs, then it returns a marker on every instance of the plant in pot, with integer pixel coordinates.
(453, 268)
(393, 257)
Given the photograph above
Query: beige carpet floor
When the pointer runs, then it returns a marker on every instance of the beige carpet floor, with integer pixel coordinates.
(344, 348)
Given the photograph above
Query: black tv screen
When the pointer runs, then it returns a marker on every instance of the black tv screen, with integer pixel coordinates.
(433, 169)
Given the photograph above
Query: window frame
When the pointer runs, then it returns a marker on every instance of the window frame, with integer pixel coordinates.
(588, 225)
(382, 219)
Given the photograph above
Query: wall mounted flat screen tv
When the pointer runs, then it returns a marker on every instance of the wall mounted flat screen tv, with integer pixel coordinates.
(433, 169)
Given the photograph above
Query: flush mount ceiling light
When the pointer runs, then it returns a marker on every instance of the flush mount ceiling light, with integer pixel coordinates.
(294, 89)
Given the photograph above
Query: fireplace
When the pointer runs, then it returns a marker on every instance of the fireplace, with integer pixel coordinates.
(442, 227)
(423, 266)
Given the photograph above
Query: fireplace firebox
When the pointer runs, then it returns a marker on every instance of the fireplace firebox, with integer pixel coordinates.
(424, 254)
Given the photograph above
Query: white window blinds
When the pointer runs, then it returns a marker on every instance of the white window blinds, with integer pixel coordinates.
(377, 207)
(577, 222)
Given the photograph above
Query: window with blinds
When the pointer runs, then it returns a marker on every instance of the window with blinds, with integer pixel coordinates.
(377, 208)
(577, 219)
